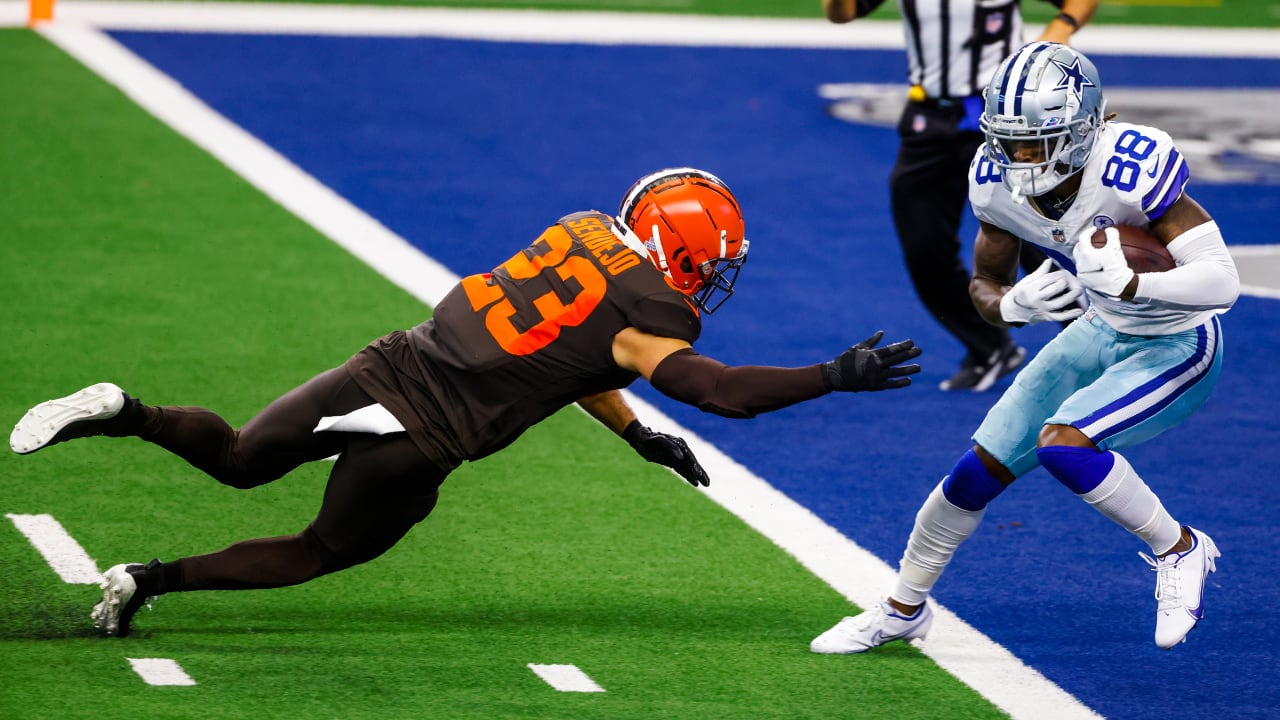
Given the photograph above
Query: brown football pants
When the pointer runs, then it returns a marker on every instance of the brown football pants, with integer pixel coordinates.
(379, 488)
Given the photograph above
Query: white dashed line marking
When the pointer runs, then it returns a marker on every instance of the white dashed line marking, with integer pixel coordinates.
(59, 549)
(566, 678)
(160, 671)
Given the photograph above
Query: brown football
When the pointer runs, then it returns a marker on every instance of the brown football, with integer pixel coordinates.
(1143, 251)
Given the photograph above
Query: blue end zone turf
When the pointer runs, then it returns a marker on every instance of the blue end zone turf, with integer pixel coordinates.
(468, 149)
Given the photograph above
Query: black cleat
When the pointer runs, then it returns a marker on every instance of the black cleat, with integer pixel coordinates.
(977, 376)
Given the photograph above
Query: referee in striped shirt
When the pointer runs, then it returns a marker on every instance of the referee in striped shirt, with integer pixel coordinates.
(953, 46)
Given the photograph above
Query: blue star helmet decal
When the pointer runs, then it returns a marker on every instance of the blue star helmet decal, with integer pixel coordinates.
(1073, 77)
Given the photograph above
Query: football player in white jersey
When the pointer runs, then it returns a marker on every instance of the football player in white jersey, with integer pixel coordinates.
(1054, 169)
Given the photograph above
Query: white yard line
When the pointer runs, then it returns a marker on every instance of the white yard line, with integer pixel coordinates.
(1259, 267)
(74, 565)
(854, 572)
(262, 166)
(160, 671)
(565, 678)
(59, 549)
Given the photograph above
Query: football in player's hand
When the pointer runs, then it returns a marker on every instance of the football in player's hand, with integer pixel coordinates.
(1143, 251)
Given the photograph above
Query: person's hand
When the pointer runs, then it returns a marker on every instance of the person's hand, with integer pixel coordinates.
(667, 450)
(1103, 269)
(866, 367)
(1045, 294)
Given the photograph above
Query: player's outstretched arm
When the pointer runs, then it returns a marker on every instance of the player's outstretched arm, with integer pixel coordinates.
(679, 372)
(865, 367)
(614, 413)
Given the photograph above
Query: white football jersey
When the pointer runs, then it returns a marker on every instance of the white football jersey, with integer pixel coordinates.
(1132, 176)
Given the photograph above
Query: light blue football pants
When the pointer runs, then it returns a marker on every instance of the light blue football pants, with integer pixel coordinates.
(1118, 389)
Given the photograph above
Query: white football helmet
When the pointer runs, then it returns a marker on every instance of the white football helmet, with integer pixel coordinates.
(1041, 114)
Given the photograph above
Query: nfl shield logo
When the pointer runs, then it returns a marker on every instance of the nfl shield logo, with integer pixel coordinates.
(917, 123)
(1059, 236)
(995, 21)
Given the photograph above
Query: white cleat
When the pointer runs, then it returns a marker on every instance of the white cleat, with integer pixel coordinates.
(1180, 579)
(42, 423)
(114, 613)
(873, 628)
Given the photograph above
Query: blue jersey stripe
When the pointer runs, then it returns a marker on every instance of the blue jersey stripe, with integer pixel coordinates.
(1157, 202)
(1206, 348)
(1175, 192)
(1065, 261)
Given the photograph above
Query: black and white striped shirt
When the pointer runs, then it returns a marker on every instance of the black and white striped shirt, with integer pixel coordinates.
(953, 46)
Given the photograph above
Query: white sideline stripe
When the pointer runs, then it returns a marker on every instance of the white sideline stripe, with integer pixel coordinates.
(263, 167)
(13, 14)
(160, 671)
(566, 678)
(991, 670)
(59, 549)
(600, 27)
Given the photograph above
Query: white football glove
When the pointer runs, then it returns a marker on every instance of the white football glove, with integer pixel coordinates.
(1043, 295)
(1103, 269)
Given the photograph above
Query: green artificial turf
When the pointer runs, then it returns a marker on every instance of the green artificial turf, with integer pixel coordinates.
(1180, 13)
(131, 256)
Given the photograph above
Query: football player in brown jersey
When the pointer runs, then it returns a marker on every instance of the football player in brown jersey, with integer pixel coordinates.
(594, 303)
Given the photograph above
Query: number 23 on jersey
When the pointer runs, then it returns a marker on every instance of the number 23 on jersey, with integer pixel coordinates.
(488, 297)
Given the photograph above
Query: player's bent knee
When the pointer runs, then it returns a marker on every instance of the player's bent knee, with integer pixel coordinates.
(994, 466)
(1081, 469)
(1051, 435)
(970, 485)
(359, 545)
(324, 558)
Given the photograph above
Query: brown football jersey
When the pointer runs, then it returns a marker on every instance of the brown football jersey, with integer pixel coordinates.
(508, 348)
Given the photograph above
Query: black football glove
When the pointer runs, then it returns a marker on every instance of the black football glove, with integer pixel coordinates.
(666, 450)
(863, 368)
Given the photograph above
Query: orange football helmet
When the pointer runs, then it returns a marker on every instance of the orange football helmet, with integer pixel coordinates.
(691, 225)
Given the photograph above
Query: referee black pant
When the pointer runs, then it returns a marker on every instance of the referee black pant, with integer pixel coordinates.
(929, 189)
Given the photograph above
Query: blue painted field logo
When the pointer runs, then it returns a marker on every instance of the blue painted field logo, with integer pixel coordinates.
(1228, 135)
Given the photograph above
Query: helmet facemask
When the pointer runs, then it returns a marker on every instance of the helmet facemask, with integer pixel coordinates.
(1032, 162)
(718, 275)
(691, 227)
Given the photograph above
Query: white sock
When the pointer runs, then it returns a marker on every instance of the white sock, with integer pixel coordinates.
(1126, 499)
(939, 530)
